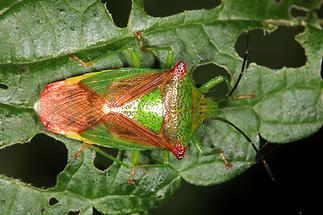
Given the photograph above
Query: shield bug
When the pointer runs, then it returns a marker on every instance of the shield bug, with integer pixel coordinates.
(131, 108)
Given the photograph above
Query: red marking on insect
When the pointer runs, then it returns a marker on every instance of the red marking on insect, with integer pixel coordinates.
(179, 151)
(180, 69)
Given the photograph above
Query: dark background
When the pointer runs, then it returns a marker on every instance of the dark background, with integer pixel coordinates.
(296, 166)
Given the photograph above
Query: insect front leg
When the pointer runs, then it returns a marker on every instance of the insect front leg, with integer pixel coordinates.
(211, 83)
(169, 60)
(251, 95)
(218, 151)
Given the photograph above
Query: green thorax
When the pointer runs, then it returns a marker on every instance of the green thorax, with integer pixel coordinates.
(148, 110)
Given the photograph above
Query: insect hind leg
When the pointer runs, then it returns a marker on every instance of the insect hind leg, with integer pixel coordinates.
(218, 151)
(258, 154)
(169, 60)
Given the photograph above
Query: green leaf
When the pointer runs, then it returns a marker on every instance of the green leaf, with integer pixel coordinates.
(37, 38)
(81, 186)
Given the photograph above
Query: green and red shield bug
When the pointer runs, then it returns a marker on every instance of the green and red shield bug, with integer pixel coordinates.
(131, 108)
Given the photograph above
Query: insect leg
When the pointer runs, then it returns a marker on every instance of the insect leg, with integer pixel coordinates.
(258, 154)
(166, 156)
(134, 161)
(249, 96)
(198, 146)
(103, 153)
(211, 83)
(82, 148)
(169, 61)
(73, 57)
(134, 57)
(242, 68)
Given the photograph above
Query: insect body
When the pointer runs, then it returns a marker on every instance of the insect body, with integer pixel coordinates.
(127, 108)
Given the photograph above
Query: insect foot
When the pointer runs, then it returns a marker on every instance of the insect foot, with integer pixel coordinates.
(227, 163)
(73, 57)
(131, 180)
(82, 148)
(248, 96)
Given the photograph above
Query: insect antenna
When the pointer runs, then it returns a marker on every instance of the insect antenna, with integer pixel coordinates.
(245, 58)
(258, 154)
